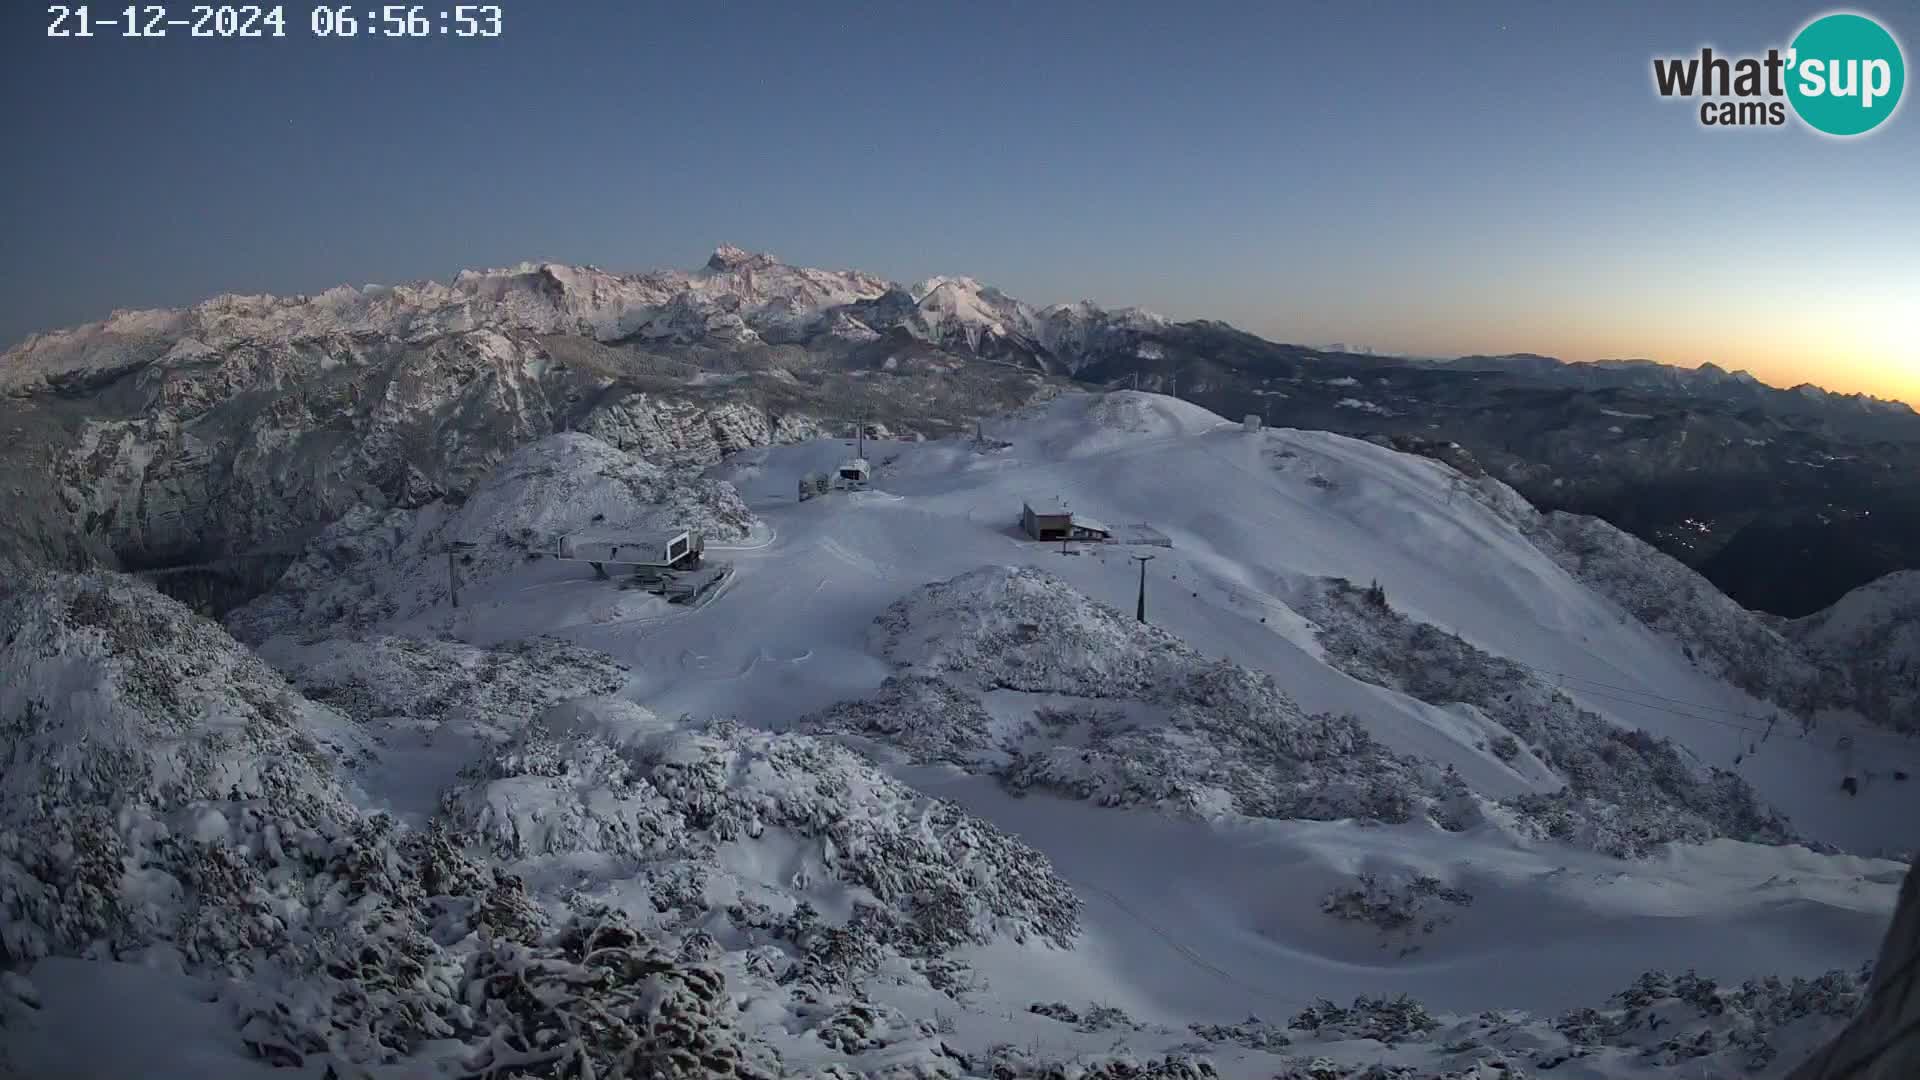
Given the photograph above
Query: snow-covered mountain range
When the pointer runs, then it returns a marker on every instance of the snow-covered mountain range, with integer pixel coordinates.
(239, 425)
(738, 298)
(914, 796)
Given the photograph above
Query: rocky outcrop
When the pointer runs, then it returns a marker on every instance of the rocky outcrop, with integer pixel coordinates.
(666, 427)
(1883, 1042)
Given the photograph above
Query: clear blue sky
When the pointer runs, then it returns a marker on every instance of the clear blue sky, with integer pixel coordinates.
(1433, 178)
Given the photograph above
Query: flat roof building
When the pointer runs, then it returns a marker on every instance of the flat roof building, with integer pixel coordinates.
(669, 549)
(1044, 519)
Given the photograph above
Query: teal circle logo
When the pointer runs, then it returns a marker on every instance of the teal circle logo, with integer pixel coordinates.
(1845, 74)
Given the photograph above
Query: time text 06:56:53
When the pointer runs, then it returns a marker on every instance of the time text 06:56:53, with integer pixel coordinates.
(255, 21)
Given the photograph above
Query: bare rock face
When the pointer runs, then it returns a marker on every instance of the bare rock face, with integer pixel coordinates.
(1883, 1042)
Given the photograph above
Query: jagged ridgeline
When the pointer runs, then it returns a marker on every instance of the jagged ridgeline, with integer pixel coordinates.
(212, 442)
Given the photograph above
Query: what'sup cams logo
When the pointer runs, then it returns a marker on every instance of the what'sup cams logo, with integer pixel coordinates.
(1842, 75)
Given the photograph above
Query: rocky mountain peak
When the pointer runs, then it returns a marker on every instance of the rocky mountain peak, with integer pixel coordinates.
(728, 257)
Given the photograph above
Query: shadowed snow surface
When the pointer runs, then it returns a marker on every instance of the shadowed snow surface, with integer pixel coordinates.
(1201, 882)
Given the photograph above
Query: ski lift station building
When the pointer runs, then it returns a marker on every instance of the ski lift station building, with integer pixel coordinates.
(1047, 520)
(853, 473)
(671, 549)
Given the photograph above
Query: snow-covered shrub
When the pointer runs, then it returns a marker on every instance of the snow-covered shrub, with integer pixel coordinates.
(1097, 1017)
(1386, 1020)
(487, 692)
(595, 1000)
(834, 958)
(947, 976)
(605, 776)
(1671, 1019)
(1018, 628)
(929, 717)
(1201, 762)
(1626, 791)
(1008, 1062)
(168, 799)
(1252, 1033)
(365, 962)
(1660, 1025)
(1416, 905)
(857, 1026)
(1055, 1010)
(1321, 1068)
(1225, 738)
(139, 735)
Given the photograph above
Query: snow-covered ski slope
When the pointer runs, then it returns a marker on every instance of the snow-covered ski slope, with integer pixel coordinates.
(1254, 519)
(1209, 921)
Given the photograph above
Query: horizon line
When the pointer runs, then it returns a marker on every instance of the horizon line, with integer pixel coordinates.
(533, 265)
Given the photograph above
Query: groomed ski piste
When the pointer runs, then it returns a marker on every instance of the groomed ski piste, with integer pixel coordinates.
(1215, 917)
